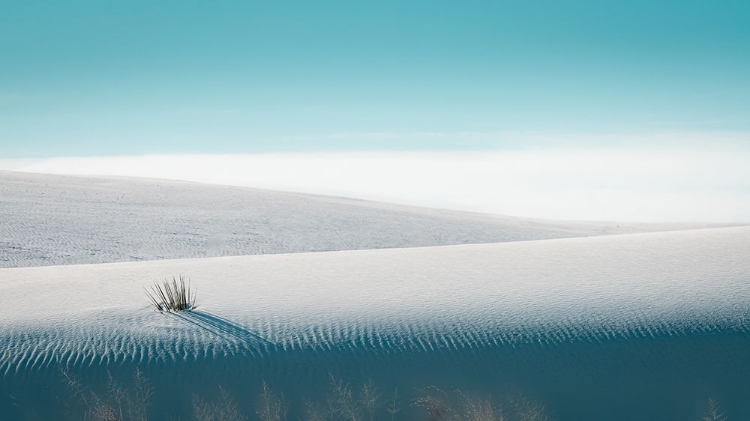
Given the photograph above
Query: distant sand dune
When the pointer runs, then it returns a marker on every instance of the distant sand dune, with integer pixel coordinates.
(59, 220)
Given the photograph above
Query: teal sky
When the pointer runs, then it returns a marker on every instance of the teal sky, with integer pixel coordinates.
(143, 77)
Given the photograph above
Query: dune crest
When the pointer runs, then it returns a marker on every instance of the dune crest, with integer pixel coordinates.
(58, 220)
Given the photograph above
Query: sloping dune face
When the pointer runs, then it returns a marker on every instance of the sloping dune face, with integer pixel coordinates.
(641, 326)
(57, 220)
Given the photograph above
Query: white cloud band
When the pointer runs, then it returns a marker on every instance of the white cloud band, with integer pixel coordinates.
(642, 185)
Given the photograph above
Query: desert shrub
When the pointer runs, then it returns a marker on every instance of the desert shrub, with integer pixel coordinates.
(225, 409)
(436, 405)
(713, 412)
(131, 400)
(117, 402)
(439, 405)
(172, 295)
(394, 405)
(369, 398)
(271, 407)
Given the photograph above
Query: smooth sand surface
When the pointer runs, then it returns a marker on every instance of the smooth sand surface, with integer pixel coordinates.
(59, 220)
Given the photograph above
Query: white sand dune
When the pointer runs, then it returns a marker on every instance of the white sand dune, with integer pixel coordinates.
(412, 299)
(621, 309)
(57, 220)
(604, 327)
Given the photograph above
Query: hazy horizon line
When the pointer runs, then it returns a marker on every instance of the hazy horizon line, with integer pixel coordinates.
(613, 185)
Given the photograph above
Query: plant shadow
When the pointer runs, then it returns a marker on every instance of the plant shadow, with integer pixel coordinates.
(222, 327)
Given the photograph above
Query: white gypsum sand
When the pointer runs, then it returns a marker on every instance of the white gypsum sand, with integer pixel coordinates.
(659, 320)
(56, 220)
(629, 285)
(656, 319)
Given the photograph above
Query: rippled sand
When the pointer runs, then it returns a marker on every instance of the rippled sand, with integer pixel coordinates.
(596, 328)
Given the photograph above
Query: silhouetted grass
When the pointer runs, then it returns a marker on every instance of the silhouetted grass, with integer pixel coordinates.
(225, 409)
(172, 296)
(118, 402)
(713, 412)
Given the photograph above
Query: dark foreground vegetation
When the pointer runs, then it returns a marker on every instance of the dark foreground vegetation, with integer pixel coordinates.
(340, 401)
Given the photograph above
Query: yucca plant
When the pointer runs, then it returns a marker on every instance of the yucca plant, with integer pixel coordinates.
(172, 296)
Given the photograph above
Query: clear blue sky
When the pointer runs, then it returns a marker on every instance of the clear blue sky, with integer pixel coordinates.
(139, 77)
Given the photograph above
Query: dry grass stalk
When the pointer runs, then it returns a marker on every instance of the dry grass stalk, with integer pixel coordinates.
(436, 405)
(713, 412)
(224, 410)
(394, 405)
(118, 403)
(369, 397)
(271, 407)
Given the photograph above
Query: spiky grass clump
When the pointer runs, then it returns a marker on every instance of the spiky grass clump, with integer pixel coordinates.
(172, 296)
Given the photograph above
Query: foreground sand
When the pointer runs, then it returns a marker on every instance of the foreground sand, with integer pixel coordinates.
(596, 328)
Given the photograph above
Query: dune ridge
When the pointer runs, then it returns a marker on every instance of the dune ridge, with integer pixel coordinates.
(399, 300)
(58, 220)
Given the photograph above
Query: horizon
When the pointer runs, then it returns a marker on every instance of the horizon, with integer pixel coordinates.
(83, 83)
(627, 185)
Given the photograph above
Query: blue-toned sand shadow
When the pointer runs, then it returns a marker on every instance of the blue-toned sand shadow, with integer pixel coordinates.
(220, 326)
